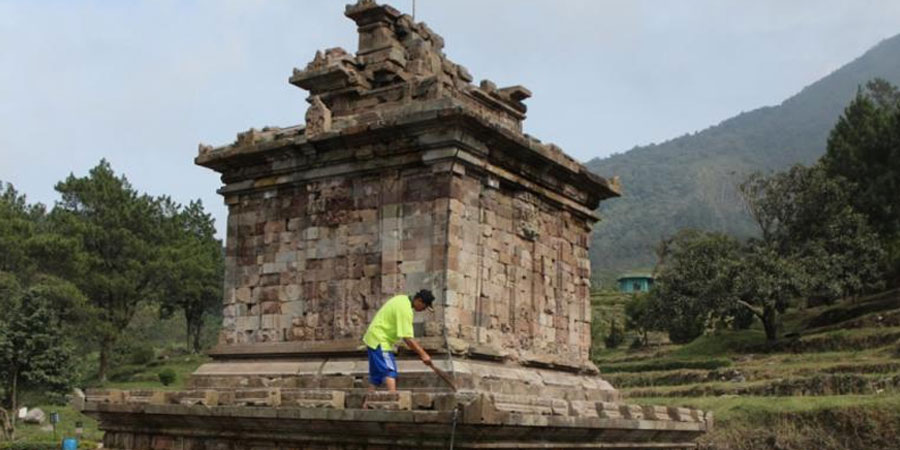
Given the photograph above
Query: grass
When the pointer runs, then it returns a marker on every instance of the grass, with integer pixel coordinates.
(760, 409)
(720, 344)
(147, 377)
(142, 377)
(841, 312)
(797, 423)
(65, 428)
(667, 364)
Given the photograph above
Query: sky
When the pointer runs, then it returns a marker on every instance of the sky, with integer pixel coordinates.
(141, 83)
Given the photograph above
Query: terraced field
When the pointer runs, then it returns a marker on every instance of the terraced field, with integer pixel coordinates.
(833, 383)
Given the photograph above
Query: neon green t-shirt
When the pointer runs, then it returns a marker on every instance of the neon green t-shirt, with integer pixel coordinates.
(392, 322)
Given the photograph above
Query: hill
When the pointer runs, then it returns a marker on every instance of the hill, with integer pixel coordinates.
(691, 181)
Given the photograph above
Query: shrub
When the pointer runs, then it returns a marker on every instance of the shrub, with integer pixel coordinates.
(615, 337)
(142, 354)
(167, 376)
(131, 351)
(636, 343)
(124, 373)
(638, 317)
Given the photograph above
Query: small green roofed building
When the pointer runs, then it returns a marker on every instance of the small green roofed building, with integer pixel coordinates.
(635, 282)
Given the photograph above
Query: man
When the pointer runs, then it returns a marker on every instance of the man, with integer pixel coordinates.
(393, 322)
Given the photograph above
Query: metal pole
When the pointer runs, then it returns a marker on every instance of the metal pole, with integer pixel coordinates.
(414, 10)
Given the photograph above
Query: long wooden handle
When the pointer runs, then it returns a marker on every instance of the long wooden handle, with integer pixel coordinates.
(445, 376)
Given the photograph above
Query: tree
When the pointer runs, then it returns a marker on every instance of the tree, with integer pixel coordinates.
(120, 233)
(806, 215)
(812, 242)
(764, 283)
(864, 148)
(191, 267)
(37, 306)
(33, 350)
(18, 224)
(693, 282)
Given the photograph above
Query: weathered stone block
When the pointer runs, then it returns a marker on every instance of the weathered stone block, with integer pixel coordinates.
(258, 397)
(652, 412)
(314, 398)
(293, 309)
(399, 400)
(527, 404)
(634, 412)
(105, 395)
(682, 414)
(607, 410)
(422, 400)
(247, 322)
(583, 408)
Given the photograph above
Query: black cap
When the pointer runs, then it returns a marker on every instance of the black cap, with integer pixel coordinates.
(426, 297)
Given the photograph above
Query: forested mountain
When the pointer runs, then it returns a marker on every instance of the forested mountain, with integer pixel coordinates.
(691, 181)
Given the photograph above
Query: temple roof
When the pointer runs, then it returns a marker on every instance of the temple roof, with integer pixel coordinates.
(398, 76)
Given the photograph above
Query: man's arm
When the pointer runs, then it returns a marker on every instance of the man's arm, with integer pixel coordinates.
(414, 346)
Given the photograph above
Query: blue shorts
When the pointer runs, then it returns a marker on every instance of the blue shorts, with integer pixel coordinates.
(381, 364)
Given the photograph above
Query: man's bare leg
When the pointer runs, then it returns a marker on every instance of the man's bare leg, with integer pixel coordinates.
(370, 390)
(391, 384)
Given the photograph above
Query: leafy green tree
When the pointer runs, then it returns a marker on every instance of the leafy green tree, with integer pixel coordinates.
(864, 148)
(190, 268)
(764, 282)
(120, 234)
(37, 306)
(813, 242)
(693, 279)
(33, 349)
(18, 224)
(806, 215)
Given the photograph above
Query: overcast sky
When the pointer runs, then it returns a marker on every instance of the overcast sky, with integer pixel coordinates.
(141, 83)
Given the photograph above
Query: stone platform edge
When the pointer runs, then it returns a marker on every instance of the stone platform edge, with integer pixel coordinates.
(401, 406)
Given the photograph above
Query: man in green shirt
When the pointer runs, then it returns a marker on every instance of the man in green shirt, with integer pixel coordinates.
(394, 322)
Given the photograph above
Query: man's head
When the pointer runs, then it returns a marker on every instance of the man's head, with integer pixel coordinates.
(423, 300)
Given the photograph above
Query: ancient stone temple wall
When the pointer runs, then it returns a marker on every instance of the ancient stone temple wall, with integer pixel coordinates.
(313, 262)
(519, 271)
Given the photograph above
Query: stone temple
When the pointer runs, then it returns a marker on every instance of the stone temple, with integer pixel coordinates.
(405, 175)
